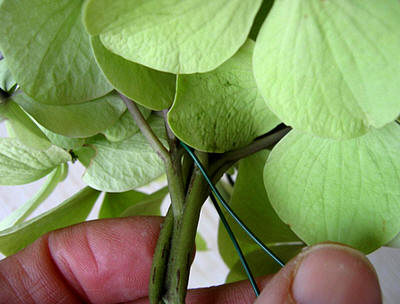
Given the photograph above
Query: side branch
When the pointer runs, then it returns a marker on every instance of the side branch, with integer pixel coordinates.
(259, 144)
(145, 129)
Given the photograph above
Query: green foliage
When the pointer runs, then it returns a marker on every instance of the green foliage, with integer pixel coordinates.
(7, 81)
(48, 51)
(125, 127)
(124, 165)
(238, 113)
(132, 203)
(23, 127)
(72, 211)
(331, 67)
(152, 89)
(250, 202)
(171, 35)
(20, 164)
(80, 120)
(328, 69)
(343, 191)
(61, 141)
(19, 215)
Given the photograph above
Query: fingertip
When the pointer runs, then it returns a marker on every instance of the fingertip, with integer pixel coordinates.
(324, 273)
(335, 274)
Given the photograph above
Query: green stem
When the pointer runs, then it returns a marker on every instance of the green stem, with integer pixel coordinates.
(259, 144)
(183, 240)
(144, 127)
(160, 258)
(173, 168)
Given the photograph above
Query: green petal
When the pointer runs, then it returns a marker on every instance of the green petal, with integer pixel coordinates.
(331, 68)
(79, 120)
(48, 51)
(179, 37)
(221, 110)
(344, 191)
(152, 89)
(124, 165)
(19, 164)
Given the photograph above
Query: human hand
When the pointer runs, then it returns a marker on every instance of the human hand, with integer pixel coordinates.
(108, 261)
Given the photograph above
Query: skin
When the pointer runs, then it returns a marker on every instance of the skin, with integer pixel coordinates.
(108, 261)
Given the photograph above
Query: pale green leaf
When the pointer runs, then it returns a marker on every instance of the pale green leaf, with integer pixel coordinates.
(20, 214)
(62, 141)
(260, 263)
(19, 164)
(23, 128)
(80, 120)
(7, 81)
(114, 204)
(250, 202)
(151, 205)
(152, 89)
(72, 211)
(124, 165)
(179, 37)
(344, 191)
(125, 127)
(221, 110)
(132, 203)
(85, 155)
(331, 68)
(48, 51)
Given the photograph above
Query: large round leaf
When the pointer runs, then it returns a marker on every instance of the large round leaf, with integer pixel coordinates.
(250, 202)
(79, 120)
(344, 191)
(152, 89)
(124, 165)
(221, 110)
(172, 35)
(331, 67)
(48, 51)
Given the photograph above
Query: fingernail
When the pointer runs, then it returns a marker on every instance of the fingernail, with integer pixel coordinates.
(331, 273)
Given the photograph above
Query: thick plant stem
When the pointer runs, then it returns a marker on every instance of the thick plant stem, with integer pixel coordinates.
(160, 259)
(173, 168)
(183, 240)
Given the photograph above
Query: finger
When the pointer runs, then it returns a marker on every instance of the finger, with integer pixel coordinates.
(233, 293)
(326, 273)
(105, 261)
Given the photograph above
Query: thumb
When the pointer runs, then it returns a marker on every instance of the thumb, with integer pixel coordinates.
(325, 273)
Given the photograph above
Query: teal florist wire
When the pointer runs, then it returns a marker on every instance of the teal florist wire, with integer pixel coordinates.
(236, 245)
(230, 211)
